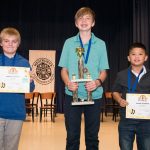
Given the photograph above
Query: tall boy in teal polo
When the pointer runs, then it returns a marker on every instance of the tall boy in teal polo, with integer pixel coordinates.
(95, 60)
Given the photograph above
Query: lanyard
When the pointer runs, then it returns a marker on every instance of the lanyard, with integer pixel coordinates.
(88, 50)
(3, 60)
(132, 89)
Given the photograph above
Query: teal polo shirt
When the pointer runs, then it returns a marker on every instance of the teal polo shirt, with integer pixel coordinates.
(97, 61)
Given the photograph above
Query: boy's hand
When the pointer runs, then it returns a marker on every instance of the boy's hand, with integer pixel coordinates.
(72, 86)
(122, 102)
(90, 86)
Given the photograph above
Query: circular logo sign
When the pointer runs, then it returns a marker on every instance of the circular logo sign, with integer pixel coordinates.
(43, 71)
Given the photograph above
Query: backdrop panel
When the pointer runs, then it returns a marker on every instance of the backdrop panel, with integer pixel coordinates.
(43, 69)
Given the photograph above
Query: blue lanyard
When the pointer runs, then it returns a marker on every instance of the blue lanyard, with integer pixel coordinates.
(88, 50)
(132, 89)
(3, 60)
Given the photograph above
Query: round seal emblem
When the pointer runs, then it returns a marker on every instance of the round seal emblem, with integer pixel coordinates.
(43, 71)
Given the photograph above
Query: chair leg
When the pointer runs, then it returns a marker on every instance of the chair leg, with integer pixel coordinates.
(51, 111)
(114, 114)
(40, 115)
(36, 111)
(53, 115)
(33, 114)
(54, 112)
(113, 117)
(106, 112)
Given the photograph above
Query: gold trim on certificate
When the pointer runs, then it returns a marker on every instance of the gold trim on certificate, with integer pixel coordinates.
(138, 107)
(14, 79)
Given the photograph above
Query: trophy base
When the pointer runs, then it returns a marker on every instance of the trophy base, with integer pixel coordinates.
(81, 80)
(83, 103)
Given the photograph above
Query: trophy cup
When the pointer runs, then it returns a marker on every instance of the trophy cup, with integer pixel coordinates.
(81, 72)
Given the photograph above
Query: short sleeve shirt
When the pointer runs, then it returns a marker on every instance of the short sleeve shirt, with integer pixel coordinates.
(97, 61)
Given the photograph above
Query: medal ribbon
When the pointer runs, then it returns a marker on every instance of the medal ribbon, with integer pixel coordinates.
(88, 50)
(132, 89)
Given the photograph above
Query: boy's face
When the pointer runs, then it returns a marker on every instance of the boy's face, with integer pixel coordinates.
(137, 57)
(85, 22)
(9, 44)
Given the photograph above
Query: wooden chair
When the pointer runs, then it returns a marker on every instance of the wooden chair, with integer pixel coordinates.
(29, 101)
(111, 105)
(36, 100)
(48, 103)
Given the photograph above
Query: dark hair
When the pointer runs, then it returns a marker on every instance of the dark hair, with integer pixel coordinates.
(137, 45)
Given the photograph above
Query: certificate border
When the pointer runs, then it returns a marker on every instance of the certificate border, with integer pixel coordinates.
(130, 112)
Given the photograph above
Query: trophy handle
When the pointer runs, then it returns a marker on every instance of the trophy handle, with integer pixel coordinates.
(75, 96)
(89, 96)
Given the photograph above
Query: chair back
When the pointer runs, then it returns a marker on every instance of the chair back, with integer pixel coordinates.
(29, 102)
(29, 95)
(36, 97)
(36, 94)
(108, 95)
(111, 104)
(47, 96)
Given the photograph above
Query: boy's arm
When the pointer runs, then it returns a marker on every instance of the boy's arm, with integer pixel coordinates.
(122, 102)
(92, 85)
(102, 77)
(65, 77)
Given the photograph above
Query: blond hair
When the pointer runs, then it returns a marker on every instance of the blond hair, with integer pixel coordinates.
(10, 31)
(84, 11)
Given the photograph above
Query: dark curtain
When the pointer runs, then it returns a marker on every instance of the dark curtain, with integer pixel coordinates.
(141, 22)
(46, 24)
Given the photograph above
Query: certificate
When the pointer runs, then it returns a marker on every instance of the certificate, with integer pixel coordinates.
(138, 106)
(14, 79)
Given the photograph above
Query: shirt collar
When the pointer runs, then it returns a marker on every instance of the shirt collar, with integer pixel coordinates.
(143, 72)
(92, 36)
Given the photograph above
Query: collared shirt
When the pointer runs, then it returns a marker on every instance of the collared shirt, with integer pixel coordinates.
(136, 74)
(121, 85)
(97, 61)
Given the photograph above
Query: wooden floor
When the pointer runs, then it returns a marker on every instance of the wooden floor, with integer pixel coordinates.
(52, 136)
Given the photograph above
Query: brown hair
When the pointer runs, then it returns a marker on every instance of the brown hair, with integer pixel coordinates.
(84, 11)
(10, 31)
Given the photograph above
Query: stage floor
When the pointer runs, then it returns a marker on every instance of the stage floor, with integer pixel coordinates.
(52, 136)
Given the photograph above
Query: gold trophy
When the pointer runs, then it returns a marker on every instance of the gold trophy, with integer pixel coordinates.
(81, 72)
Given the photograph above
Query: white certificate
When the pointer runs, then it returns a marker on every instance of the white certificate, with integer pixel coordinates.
(139, 106)
(14, 79)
